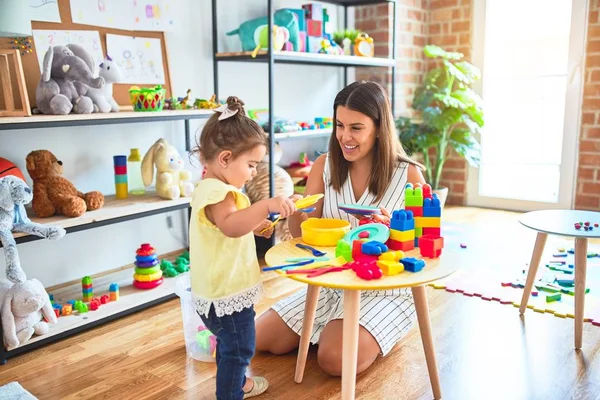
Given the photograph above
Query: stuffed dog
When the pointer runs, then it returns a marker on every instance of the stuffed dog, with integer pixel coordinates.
(172, 180)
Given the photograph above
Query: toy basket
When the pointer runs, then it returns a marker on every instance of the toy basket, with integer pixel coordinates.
(147, 99)
(200, 343)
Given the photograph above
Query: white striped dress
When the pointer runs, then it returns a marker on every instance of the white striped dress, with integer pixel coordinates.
(386, 314)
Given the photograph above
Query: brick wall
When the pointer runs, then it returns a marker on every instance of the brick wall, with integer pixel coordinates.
(587, 195)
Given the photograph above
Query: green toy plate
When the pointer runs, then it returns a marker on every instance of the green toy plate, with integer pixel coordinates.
(377, 232)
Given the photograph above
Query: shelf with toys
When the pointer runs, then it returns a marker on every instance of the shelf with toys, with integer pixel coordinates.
(311, 133)
(294, 57)
(115, 297)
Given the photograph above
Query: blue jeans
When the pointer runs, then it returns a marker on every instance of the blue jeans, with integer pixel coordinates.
(236, 341)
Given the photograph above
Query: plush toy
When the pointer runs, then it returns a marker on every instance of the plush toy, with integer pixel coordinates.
(62, 86)
(172, 180)
(54, 194)
(26, 309)
(250, 30)
(14, 194)
(103, 98)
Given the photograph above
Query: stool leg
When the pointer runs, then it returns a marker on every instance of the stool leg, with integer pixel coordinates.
(581, 245)
(350, 342)
(312, 298)
(422, 309)
(536, 257)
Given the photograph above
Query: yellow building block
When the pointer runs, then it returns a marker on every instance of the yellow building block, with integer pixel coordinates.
(390, 267)
(427, 222)
(402, 236)
(392, 255)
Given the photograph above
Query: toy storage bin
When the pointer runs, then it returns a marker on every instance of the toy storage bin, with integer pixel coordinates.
(200, 343)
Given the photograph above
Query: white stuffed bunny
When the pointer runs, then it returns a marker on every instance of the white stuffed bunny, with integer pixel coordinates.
(172, 180)
(26, 309)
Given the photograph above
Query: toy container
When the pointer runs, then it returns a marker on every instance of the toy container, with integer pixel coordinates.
(134, 173)
(147, 99)
(200, 343)
(323, 231)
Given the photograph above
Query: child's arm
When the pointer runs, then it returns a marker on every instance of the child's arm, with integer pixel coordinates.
(235, 223)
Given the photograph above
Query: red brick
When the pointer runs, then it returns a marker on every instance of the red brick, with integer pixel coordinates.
(592, 133)
(594, 32)
(435, 4)
(586, 202)
(383, 9)
(463, 26)
(419, 41)
(444, 41)
(593, 17)
(381, 37)
(589, 146)
(415, 15)
(466, 10)
(592, 61)
(455, 199)
(458, 187)
(588, 118)
(367, 25)
(591, 90)
(409, 78)
(593, 46)
(456, 14)
(434, 29)
(588, 174)
(408, 52)
(441, 15)
(591, 188)
(453, 175)
(591, 103)
(464, 38)
(455, 163)
(589, 160)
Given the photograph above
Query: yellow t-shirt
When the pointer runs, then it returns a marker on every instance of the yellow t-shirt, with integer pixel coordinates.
(224, 271)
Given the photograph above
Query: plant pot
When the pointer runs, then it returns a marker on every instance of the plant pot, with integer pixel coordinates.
(442, 194)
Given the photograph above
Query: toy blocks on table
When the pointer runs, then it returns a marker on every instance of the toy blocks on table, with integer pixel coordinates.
(431, 246)
(427, 222)
(86, 280)
(402, 220)
(343, 249)
(432, 207)
(373, 248)
(412, 264)
(392, 255)
(431, 231)
(413, 196)
(404, 246)
(390, 268)
(402, 236)
(416, 210)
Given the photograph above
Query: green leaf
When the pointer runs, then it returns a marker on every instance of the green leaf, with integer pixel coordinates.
(465, 144)
(433, 51)
(469, 70)
(456, 73)
(471, 125)
(423, 98)
(450, 101)
(468, 97)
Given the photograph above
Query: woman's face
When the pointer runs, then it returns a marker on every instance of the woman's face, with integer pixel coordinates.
(355, 132)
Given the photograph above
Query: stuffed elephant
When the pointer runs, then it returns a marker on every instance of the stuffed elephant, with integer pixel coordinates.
(65, 77)
(283, 18)
(26, 309)
(103, 98)
(14, 194)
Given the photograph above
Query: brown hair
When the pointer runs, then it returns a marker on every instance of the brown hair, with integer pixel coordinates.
(369, 98)
(237, 133)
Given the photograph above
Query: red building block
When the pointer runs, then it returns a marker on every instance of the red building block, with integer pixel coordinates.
(427, 194)
(416, 210)
(104, 299)
(57, 312)
(94, 305)
(404, 246)
(432, 231)
(314, 28)
(86, 286)
(431, 246)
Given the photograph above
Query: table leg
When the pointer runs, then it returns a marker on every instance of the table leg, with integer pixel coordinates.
(581, 245)
(350, 342)
(312, 298)
(536, 257)
(422, 309)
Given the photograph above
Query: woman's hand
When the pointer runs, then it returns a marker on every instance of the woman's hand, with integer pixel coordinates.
(384, 217)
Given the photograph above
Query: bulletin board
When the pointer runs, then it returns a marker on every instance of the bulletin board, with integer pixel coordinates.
(31, 66)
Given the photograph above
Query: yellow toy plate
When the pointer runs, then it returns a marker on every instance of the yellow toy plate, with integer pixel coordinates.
(308, 201)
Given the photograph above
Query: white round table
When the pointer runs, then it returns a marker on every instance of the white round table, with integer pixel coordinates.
(562, 223)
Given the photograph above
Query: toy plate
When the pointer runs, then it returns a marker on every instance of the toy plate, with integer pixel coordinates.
(377, 232)
(308, 201)
(358, 209)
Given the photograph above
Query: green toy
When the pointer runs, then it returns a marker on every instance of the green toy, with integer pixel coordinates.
(248, 30)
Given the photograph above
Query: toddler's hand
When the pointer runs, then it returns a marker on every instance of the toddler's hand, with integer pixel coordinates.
(282, 205)
(264, 225)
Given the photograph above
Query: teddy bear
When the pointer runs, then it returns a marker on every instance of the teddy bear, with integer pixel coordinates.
(54, 194)
(172, 180)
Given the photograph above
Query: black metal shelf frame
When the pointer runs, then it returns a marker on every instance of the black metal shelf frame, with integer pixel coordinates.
(270, 59)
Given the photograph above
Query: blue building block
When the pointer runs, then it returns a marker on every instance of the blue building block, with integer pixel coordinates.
(373, 248)
(113, 287)
(432, 207)
(85, 291)
(416, 242)
(57, 307)
(402, 220)
(72, 303)
(412, 264)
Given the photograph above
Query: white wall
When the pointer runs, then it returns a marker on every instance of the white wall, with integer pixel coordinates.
(301, 92)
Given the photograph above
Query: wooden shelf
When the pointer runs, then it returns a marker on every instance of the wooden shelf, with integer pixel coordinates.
(292, 57)
(309, 133)
(113, 211)
(130, 300)
(123, 117)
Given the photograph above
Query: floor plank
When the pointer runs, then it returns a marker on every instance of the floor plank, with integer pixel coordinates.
(484, 350)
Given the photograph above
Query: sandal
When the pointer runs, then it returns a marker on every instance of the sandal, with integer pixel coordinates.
(260, 386)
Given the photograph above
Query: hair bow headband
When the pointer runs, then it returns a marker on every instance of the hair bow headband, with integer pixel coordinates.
(226, 112)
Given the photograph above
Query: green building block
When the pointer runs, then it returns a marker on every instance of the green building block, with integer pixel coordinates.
(165, 264)
(553, 297)
(86, 280)
(343, 249)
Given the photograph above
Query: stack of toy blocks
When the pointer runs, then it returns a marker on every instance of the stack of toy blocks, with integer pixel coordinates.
(114, 291)
(402, 231)
(87, 289)
(427, 212)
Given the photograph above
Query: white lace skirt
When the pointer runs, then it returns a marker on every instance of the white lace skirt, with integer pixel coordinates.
(230, 304)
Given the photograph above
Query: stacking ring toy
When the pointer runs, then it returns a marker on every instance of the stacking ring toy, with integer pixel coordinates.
(145, 250)
(147, 271)
(147, 285)
(146, 264)
(145, 258)
(147, 278)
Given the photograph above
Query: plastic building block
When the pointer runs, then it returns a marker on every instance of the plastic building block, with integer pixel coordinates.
(104, 299)
(390, 268)
(553, 297)
(402, 220)
(432, 207)
(343, 249)
(416, 242)
(462, 245)
(413, 196)
(565, 279)
(412, 264)
(364, 235)
(402, 236)
(431, 246)
(51, 296)
(86, 280)
(416, 210)
(427, 222)
(419, 232)
(114, 296)
(113, 287)
(94, 305)
(366, 270)
(374, 248)
(392, 255)
(314, 28)
(404, 246)
(356, 249)
(431, 231)
(67, 309)
(57, 312)
(87, 291)
(427, 193)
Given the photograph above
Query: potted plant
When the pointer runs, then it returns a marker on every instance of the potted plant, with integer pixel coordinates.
(448, 114)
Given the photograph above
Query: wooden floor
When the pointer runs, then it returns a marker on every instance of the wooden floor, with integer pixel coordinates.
(484, 350)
